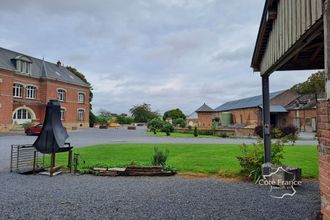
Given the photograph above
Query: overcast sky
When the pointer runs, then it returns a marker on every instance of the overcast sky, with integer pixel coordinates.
(168, 53)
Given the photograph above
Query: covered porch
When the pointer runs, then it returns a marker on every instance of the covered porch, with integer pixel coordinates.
(295, 35)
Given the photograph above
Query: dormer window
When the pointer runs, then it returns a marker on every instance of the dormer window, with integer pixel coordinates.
(23, 64)
(25, 67)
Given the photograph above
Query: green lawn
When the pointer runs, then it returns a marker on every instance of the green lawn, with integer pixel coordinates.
(179, 135)
(199, 158)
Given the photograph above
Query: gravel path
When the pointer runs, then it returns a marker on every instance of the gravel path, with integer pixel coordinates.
(89, 197)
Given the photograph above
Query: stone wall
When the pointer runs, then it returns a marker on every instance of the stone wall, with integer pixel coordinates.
(323, 132)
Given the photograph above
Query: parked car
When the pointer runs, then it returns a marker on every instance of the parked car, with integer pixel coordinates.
(33, 130)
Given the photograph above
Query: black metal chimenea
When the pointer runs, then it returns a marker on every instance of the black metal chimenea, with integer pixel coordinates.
(53, 135)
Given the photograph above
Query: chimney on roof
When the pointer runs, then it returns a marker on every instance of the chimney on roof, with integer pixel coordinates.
(58, 63)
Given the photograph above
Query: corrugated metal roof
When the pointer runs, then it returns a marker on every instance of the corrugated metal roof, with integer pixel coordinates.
(40, 68)
(205, 108)
(250, 102)
(276, 109)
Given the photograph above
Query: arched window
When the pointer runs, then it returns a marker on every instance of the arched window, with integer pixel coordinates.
(18, 90)
(61, 95)
(81, 97)
(23, 115)
(81, 114)
(31, 92)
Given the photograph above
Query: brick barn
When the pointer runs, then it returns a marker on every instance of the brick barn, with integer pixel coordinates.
(26, 85)
(248, 111)
(287, 108)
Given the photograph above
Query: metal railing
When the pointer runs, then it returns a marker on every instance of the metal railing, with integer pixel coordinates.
(25, 158)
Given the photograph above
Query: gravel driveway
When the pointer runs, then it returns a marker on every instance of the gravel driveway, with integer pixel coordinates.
(89, 197)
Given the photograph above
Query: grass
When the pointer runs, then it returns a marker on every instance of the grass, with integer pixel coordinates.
(216, 159)
(179, 135)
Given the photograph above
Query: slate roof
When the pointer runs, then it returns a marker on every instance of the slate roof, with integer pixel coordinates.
(304, 102)
(276, 109)
(205, 108)
(40, 68)
(250, 102)
(192, 116)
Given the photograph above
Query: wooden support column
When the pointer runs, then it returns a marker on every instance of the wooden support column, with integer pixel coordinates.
(326, 23)
(266, 118)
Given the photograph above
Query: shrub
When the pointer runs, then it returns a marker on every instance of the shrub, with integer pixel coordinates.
(27, 125)
(259, 131)
(289, 130)
(252, 158)
(159, 157)
(190, 127)
(290, 138)
(167, 128)
(124, 120)
(223, 135)
(195, 131)
(180, 122)
(155, 125)
(276, 133)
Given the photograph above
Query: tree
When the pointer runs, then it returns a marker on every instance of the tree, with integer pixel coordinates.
(179, 122)
(92, 119)
(167, 128)
(124, 120)
(315, 84)
(104, 113)
(143, 113)
(174, 114)
(155, 125)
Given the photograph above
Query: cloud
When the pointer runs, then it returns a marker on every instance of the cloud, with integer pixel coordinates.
(169, 53)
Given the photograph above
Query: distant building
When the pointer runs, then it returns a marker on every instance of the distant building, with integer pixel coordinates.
(287, 108)
(28, 83)
(192, 119)
(205, 116)
(248, 111)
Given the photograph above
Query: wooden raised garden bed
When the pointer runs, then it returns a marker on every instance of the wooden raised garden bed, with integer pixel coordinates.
(132, 170)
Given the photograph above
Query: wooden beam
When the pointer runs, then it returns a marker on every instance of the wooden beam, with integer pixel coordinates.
(326, 27)
(305, 40)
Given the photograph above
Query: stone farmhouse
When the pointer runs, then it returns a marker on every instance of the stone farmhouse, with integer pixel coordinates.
(28, 83)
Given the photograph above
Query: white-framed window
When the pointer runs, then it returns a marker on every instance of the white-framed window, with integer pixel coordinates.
(81, 97)
(18, 90)
(31, 92)
(62, 114)
(81, 114)
(25, 67)
(61, 95)
(22, 114)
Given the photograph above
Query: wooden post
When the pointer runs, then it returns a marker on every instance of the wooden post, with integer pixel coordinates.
(34, 161)
(70, 161)
(52, 164)
(326, 23)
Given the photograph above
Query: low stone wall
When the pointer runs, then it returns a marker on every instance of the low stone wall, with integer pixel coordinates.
(323, 133)
(244, 132)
